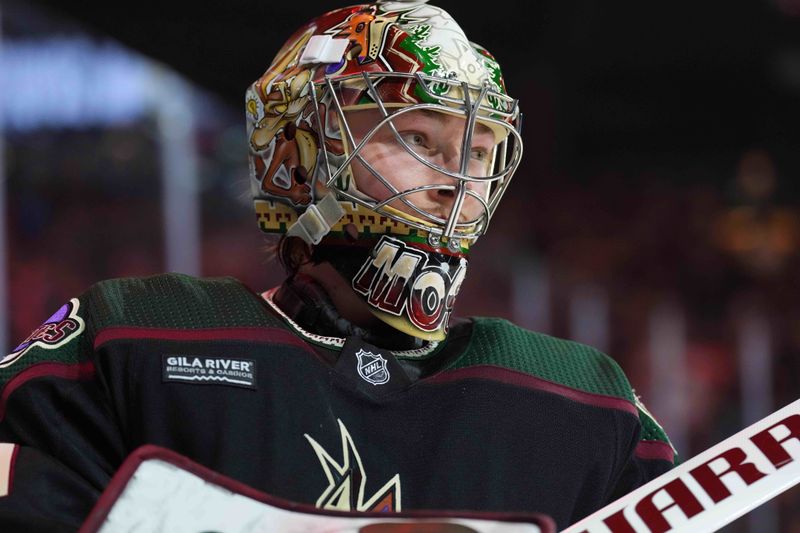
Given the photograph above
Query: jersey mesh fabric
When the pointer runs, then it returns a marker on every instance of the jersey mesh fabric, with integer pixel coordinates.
(650, 428)
(175, 301)
(564, 362)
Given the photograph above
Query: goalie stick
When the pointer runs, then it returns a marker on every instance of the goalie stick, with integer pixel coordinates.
(713, 488)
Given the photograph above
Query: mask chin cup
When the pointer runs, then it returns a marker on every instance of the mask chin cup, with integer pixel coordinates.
(403, 325)
(407, 285)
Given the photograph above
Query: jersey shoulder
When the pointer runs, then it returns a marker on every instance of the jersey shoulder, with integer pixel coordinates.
(498, 342)
(65, 341)
(174, 301)
(58, 343)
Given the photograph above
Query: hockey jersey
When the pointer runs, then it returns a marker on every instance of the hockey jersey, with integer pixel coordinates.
(499, 418)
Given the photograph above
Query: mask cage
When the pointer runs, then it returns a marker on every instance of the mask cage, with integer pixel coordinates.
(475, 103)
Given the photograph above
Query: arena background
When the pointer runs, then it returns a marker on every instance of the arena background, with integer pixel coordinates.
(655, 215)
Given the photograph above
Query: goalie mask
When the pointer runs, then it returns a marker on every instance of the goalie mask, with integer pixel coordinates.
(344, 89)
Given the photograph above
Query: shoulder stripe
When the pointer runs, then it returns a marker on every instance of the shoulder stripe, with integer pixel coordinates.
(8, 456)
(84, 370)
(577, 366)
(522, 379)
(257, 334)
(654, 449)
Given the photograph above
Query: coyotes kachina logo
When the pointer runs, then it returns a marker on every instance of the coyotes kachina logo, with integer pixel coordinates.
(347, 481)
(59, 329)
(397, 279)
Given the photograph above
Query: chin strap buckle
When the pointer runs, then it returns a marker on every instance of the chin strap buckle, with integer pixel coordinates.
(317, 220)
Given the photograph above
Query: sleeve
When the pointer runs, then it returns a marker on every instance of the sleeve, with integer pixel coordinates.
(652, 455)
(37, 493)
(58, 434)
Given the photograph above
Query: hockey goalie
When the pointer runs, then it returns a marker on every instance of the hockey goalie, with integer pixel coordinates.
(381, 141)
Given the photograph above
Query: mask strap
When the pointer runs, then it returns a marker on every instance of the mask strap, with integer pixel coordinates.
(317, 220)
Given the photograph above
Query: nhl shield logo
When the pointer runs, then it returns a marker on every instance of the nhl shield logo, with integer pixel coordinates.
(372, 367)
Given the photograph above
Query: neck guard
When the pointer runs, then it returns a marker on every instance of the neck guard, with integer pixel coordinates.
(305, 302)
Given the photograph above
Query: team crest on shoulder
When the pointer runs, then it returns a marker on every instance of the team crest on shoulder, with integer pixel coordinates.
(372, 367)
(59, 329)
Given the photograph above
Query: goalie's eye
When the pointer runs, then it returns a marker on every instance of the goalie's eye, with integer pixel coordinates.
(479, 154)
(414, 139)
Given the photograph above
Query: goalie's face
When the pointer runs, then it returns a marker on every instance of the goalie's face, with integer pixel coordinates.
(438, 138)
